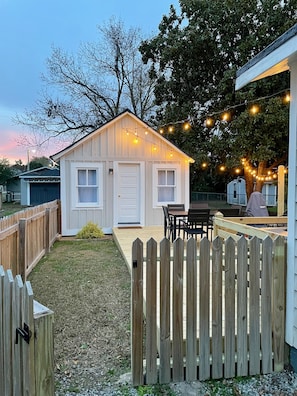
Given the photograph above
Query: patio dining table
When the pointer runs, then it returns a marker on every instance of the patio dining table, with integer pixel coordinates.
(177, 214)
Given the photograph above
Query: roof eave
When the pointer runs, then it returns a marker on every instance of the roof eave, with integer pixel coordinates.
(274, 59)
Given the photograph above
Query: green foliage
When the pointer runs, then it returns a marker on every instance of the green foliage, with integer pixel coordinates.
(6, 172)
(39, 162)
(90, 231)
(194, 60)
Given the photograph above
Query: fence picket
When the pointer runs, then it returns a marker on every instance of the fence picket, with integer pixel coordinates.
(216, 293)
(247, 277)
(254, 310)
(177, 314)
(242, 303)
(17, 322)
(204, 310)
(8, 333)
(191, 316)
(229, 308)
(266, 317)
(137, 313)
(165, 341)
(151, 312)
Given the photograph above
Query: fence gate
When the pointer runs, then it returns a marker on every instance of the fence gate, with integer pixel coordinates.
(26, 340)
(212, 310)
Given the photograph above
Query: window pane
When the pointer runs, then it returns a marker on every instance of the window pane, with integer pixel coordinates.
(161, 178)
(170, 178)
(166, 194)
(87, 194)
(82, 177)
(92, 177)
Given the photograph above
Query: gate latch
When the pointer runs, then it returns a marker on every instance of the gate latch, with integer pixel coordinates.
(25, 333)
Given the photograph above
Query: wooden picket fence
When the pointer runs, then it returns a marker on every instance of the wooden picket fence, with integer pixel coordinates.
(26, 236)
(212, 310)
(26, 340)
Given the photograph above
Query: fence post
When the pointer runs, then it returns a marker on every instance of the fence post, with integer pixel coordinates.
(137, 313)
(44, 350)
(59, 218)
(23, 247)
(47, 230)
(279, 299)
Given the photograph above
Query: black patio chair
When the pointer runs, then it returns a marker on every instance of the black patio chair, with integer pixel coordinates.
(197, 223)
(168, 223)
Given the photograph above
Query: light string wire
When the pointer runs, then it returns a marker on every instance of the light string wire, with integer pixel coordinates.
(220, 112)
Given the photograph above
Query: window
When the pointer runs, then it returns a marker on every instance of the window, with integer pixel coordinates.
(167, 184)
(88, 185)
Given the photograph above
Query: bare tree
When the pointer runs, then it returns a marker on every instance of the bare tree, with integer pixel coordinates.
(84, 91)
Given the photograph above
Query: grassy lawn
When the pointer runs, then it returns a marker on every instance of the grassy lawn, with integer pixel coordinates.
(9, 208)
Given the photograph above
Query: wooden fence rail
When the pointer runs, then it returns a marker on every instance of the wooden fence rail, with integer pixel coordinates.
(27, 235)
(26, 340)
(212, 310)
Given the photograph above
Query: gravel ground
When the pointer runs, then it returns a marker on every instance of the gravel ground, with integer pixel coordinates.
(87, 285)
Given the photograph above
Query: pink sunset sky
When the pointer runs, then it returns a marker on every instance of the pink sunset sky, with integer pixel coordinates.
(31, 28)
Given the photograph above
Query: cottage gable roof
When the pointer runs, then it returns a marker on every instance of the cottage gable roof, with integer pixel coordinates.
(274, 59)
(118, 119)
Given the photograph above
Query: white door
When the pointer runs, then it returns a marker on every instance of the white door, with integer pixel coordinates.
(128, 193)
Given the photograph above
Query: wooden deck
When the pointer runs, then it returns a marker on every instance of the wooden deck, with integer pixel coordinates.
(124, 238)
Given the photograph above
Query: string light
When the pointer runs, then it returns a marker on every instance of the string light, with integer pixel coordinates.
(254, 109)
(186, 126)
(226, 114)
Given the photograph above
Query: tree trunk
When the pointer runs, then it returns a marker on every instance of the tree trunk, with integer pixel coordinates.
(249, 184)
(261, 173)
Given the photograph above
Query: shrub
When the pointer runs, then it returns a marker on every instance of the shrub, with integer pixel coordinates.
(90, 231)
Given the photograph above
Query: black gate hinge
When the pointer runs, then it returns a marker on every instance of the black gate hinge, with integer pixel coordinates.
(25, 333)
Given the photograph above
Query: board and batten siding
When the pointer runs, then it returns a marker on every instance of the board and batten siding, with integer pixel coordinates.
(126, 140)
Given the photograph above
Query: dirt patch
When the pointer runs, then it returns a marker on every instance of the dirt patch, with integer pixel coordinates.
(87, 285)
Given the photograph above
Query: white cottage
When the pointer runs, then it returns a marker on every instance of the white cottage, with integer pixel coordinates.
(120, 175)
(278, 57)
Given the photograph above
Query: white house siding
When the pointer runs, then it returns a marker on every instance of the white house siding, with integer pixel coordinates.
(111, 145)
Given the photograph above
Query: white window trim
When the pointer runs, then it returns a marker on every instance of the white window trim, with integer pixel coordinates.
(171, 166)
(75, 166)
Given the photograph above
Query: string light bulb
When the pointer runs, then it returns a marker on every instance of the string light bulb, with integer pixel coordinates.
(186, 126)
(254, 109)
(209, 122)
(287, 98)
(226, 116)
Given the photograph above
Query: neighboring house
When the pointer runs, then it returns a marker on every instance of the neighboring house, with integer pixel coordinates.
(236, 192)
(39, 186)
(120, 175)
(278, 57)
